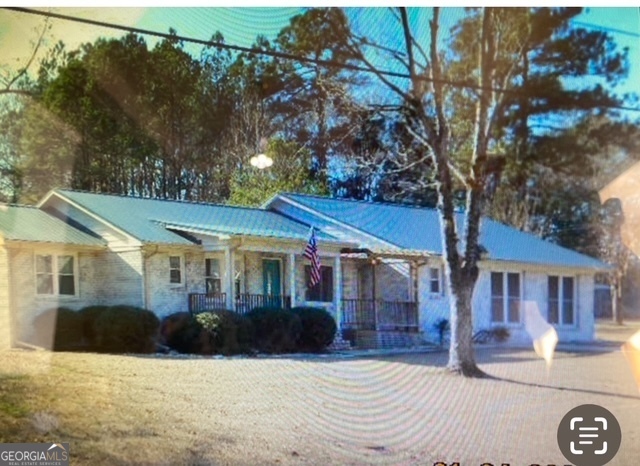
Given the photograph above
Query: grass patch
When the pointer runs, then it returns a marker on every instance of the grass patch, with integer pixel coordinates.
(14, 407)
(13, 390)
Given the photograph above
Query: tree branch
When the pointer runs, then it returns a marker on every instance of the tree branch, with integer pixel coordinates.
(356, 50)
(24, 69)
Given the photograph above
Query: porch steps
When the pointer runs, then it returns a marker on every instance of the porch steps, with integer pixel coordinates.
(370, 339)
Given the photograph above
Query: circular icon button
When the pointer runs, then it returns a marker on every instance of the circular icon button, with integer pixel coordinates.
(589, 435)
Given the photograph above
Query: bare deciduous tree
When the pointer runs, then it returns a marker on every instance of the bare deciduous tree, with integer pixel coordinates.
(428, 109)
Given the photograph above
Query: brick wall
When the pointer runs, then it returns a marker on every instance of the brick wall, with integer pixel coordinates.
(27, 305)
(165, 298)
(117, 277)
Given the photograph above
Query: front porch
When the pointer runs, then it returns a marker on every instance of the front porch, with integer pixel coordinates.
(242, 303)
(356, 314)
(367, 297)
(380, 315)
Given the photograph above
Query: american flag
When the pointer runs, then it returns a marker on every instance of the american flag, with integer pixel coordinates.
(311, 253)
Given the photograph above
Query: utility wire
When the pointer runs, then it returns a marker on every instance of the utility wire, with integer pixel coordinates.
(605, 28)
(276, 54)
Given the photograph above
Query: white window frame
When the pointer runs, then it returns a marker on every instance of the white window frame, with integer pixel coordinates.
(505, 299)
(182, 270)
(438, 280)
(212, 277)
(574, 301)
(55, 273)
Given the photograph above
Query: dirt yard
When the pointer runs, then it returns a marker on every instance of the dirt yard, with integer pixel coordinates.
(398, 409)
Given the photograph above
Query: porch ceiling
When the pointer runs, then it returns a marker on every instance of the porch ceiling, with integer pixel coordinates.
(250, 241)
(407, 254)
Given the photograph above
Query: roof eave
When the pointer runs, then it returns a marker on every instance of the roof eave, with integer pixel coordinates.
(8, 242)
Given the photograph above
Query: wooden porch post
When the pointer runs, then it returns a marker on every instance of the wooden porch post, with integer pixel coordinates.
(292, 278)
(374, 293)
(415, 281)
(337, 290)
(229, 288)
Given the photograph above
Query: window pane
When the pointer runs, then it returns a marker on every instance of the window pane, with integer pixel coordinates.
(212, 267)
(44, 264)
(65, 265)
(513, 282)
(567, 311)
(553, 311)
(44, 283)
(567, 287)
(434, 284)
(175, 276)
(553, 288)
(496, 284)
(514, 309)
(497, 309)
(567, 300)
(174, 262)
(214, 285)
(67, 284)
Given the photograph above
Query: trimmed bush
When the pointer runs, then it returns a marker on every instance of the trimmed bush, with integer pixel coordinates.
(173, 331)
(216, 332)
(88, 317)
(59, 329)
(126, 329)
(443, 328)
(500, 334)
(350, 335)
(318, 328)
(230, 332)
(497, 334)
(275, 330)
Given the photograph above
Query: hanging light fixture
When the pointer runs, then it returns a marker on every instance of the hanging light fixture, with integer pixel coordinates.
(261, 161)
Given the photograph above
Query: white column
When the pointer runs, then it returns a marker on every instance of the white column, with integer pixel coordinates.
(337, 289)
(292, 278)
(229, 265)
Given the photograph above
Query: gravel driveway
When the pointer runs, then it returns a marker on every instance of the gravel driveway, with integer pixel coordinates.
(399, 409)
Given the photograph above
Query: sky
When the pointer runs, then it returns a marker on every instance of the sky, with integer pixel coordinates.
(240, 26)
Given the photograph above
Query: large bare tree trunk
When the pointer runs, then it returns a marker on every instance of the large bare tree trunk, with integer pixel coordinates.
(462, 358)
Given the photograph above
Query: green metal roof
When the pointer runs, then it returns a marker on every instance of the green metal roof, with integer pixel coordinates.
(27, 223)
(418, 229)
(151, 220)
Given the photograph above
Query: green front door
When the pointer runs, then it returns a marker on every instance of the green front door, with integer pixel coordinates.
(271, 278)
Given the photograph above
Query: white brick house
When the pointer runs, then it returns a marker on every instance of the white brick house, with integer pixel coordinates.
(381, 264)
(44, 263)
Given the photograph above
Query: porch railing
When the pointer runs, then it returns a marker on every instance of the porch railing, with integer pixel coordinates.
(370, 314)
(244, 302)
(201, 302)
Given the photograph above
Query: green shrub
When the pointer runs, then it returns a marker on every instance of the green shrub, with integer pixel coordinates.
(318, 328)
(88, 316)
(443, 328)
(350, 335)
(59, 329)
(126, 329)
(275, 330)
(215, 332)
(497, 334)
(500, 334)
(230, 332)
